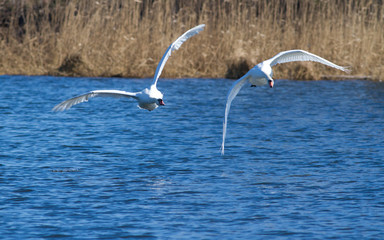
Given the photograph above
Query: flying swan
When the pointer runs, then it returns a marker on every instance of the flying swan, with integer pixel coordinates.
(148, 99)
(261, 75)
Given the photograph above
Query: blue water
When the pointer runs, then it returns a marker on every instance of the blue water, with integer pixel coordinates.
(304, 160)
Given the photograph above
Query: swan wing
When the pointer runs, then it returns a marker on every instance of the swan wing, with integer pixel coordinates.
(231, 95)
(301, 55)
(174, 46)
(97, 93)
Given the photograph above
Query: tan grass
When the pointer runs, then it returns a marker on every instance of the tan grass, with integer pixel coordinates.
(128, 37)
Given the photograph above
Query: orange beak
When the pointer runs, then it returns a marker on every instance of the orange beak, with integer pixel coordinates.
(161, 102)
(271, 84)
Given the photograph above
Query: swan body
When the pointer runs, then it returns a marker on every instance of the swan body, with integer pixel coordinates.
(262, 73)
(149, 98)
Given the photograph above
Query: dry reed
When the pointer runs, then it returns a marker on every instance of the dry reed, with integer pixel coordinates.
(128, 37)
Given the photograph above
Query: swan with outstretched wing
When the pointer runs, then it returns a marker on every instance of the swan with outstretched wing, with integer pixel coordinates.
(262, 73)
(149, 98)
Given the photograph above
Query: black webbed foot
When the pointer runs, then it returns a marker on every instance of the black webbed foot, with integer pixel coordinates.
(253, 85)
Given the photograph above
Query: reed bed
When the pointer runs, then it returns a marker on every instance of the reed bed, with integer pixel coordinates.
(128, 37)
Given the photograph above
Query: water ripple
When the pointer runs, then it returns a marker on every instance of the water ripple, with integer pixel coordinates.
(303, 161)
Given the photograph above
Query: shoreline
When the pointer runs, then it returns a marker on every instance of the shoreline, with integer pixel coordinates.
(323, 78)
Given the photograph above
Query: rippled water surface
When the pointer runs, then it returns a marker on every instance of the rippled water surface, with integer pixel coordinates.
(304, 160)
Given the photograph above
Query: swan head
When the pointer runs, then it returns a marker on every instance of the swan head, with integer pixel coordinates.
(271, 82)
(156, 96)
(160, 102)
(159, 97)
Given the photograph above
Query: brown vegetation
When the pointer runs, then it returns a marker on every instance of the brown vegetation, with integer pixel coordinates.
(128, 37)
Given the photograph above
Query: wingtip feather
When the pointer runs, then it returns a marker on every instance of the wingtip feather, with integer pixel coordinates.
(58, 108)
(347, 69)
(222, 151)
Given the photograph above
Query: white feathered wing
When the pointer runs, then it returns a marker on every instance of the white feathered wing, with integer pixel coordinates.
(174, 46)
(97, 93)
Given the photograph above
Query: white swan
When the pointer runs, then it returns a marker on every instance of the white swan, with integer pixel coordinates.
(261, 74)
(148, 98)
